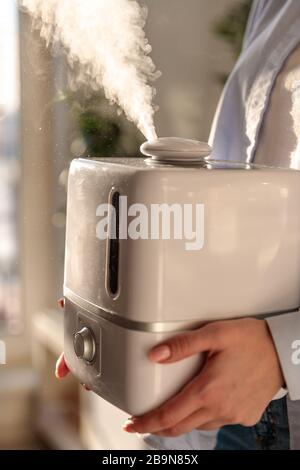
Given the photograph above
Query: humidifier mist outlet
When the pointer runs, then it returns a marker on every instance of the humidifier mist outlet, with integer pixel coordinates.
(174, 149)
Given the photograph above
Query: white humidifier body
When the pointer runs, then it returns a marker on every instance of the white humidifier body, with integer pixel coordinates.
(133, 288)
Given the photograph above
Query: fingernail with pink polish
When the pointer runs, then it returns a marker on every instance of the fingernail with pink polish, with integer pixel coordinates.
(86, 387)
(128, 426)
(161, 353)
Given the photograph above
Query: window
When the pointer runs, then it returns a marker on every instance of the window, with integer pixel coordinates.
(9, 168)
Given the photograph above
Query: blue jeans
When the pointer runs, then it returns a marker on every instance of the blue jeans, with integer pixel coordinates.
(271, 433)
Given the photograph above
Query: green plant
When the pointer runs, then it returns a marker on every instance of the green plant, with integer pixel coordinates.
(105, 131)
(102, 134)
(231, 28)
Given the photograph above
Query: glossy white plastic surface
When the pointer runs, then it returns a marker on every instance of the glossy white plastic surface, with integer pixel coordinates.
(250, 261)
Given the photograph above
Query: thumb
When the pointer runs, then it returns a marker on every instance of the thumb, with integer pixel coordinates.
(186, 344)
(61, 369)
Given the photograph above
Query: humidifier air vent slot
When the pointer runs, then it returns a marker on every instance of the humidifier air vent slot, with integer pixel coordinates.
(114, 246)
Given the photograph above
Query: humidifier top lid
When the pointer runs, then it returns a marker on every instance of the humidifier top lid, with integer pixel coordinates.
(176, 150)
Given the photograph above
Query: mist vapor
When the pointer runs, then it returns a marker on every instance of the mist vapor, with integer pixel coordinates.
(105, 42)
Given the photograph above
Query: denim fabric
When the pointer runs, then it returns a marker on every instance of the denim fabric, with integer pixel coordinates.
(271, 433)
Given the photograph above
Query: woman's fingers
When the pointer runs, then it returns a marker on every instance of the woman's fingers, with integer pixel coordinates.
(187, 425)
(201, 420)
(61, 369)
(86, 387)
(170, 413)
(187, 344)
(212, 426)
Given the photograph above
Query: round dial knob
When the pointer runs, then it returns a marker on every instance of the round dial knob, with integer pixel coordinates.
(84, 344)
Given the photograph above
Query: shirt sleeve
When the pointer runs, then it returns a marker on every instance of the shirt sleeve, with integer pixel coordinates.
(255, 13)
(285, 331)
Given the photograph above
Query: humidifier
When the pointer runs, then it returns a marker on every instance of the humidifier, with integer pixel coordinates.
(160, 245)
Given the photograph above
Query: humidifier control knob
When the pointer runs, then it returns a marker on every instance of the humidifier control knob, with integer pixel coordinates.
(84, 344)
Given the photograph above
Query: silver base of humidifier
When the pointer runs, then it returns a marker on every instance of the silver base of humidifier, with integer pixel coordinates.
(110, 357)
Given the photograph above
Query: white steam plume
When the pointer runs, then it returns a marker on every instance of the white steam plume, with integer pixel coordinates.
(105, 39)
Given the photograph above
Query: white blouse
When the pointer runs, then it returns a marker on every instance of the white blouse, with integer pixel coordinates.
(279, 138)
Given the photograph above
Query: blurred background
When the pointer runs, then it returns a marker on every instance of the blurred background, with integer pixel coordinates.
(43, 126)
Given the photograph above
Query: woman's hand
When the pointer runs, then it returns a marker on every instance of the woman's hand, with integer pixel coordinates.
(61, 368)
(241, 375)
